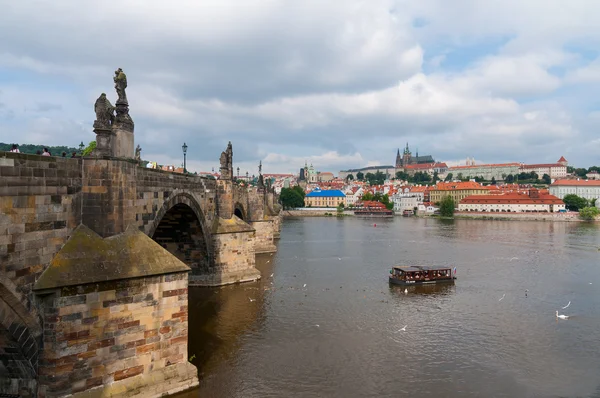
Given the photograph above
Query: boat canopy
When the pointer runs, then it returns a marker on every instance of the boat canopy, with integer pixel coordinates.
(419, 268)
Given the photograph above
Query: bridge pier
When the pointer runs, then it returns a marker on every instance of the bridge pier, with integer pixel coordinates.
(115, 319)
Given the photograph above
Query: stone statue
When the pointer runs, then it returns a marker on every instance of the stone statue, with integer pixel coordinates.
(259, 167)
(138, 153)
(230, 159)
(223, 170)
(104, 112)
(120, 85)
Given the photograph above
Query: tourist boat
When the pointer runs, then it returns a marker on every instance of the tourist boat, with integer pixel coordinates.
(411, 275)
(408, 213)
(374, 212)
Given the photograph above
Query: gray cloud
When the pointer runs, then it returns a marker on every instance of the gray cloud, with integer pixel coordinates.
(337, 82)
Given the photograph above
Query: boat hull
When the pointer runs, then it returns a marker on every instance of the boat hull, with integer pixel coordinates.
(418, 283)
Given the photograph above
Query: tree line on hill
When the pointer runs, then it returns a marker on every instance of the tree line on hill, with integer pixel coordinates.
(33, 149)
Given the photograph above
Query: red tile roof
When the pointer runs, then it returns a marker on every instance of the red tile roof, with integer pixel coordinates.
(485, 165)
(511, 198)
(421, 166)
(453, 186)
(534, 166)
(562, 159)
(577, 182)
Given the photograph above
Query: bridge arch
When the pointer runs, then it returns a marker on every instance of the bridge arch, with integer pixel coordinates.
(180, 227)
(20, 340)
(240, 211)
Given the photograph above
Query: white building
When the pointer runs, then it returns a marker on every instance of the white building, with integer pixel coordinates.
(402, 203)
(589, 189)
(352, 198)
(554, 170)
(486, 171)
(534, 202)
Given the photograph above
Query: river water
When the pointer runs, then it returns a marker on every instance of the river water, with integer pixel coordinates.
(492, 334)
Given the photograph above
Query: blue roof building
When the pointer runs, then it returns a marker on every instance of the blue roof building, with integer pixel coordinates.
(327, 198)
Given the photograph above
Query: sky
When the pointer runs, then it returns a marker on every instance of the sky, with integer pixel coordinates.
(338, 83)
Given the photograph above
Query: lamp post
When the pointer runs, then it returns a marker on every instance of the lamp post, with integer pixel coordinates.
(247, 177)
(238, 175)
(81, 146)
(184, 147)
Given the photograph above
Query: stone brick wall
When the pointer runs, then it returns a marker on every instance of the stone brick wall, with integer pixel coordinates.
(256, 204)
(264, 239)
(109, 188)
(121, 337)
(40, 202)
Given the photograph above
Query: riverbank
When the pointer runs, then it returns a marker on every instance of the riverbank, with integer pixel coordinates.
(555, 217)
(315, 213)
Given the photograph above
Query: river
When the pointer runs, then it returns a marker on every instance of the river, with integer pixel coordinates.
(492, 334)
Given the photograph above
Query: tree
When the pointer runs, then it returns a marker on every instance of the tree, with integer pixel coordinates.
(459, 176)
(589, 213)
(290, 198)
(509, 179)
(546, 178)
(448, 177)
(581, 172)
(367, 196)
(493, 182)
(88, 150)
(447, 206)
(340, 209)
(360, 176)
(400, 175)
(435, 177)
(350, 177)
(593, 202)
(574, 202)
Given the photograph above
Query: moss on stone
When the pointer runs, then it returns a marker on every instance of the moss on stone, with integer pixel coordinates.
(88, 258)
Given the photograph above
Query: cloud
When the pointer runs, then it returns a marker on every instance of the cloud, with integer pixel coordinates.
(342, 83)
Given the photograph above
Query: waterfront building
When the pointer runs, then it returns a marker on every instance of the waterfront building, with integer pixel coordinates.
(354, 195)
(328, 198)
(457, 190)
(532, 202)
(486, 171)
(554, 170)
(402, 203)
(589, 189)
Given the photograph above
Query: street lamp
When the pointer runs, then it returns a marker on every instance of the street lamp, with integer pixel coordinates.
(184, 147)
(246, 176)
(238, 175)
(81, 146)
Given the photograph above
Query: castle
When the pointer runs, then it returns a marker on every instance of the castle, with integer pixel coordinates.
(407, 158)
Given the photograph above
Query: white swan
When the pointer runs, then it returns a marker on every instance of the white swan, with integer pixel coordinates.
(403, 329)
(405, 291)
(566, 305)
(502, 297)
(251, 300)
(304, 285)
(562, 316)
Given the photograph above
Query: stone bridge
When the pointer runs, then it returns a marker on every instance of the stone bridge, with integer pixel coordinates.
(83, 288)
(96, 256)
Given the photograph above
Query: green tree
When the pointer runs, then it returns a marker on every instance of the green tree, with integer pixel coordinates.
(367, 196)
(581, 172)
(88, 149)
(593, 202)
(340, 209)
(360, 176)
(400, 175)
(546, 178)
(435, 177)
(509, 179)
(493, 182)
(574, 202)
(447, 206)
(350, 177)
(290, 198)
(589, 213)
(448, 177)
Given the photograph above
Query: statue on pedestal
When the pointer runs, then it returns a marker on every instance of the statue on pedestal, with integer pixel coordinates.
(120, 80)
(104, 113)
(138, 153)
(226, 161)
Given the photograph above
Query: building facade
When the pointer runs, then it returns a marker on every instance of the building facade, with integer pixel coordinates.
(486, 171)
(402, 203)
(589, 189)
(329, 198)
(534, 202)
(554, 170)
(456, 190)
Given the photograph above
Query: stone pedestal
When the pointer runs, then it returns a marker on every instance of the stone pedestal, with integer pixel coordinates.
(104, 140)
(123, 129)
